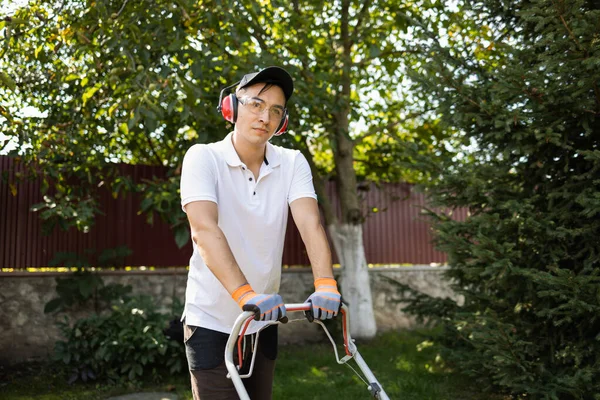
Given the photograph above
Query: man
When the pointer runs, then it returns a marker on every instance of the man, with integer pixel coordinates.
(236, 194)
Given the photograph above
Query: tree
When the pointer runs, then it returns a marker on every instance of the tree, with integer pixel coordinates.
(527, 260)
(349, 59)
(138, 82)
(132, 82)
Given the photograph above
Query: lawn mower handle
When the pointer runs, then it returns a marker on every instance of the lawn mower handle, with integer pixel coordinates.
(244, 319)
(246, 316)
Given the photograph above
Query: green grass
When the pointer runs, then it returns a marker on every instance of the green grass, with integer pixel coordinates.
(40, 382)
(404, 363)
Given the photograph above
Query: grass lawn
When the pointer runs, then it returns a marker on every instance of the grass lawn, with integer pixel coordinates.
(404, 363)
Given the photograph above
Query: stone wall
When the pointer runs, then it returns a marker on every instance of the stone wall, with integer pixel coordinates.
(26, 333)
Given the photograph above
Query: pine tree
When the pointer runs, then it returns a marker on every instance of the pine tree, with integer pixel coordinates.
(527, 259)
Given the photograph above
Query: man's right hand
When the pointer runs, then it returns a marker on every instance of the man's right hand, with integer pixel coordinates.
(267, 307)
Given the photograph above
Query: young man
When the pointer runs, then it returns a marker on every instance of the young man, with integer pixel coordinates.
(236, 194)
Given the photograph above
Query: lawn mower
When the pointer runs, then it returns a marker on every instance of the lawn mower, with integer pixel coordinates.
(244, 319)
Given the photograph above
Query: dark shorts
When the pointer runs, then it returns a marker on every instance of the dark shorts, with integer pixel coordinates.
(205, 351)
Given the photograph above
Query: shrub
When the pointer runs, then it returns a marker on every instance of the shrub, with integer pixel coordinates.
(85, 286)
(126, 343)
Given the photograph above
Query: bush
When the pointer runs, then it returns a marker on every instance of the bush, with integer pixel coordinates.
(126, 343)
(82, 288)
(85, 286)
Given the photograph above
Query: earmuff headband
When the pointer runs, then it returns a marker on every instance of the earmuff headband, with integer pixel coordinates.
(223, 92)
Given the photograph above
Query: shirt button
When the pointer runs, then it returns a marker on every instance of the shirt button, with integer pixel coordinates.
(250, 179)
(244, 168)
(254, 192)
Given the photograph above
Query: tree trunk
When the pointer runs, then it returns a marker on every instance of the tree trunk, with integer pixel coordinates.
(347, 234)
(355, 284)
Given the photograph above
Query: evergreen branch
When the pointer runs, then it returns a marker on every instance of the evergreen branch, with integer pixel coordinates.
(597, 93)
(445, 51)
(458, 89)
(510, 347)
(571, 34)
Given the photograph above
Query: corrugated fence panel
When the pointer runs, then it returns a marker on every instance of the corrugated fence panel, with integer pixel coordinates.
(22, 243)
(394, 230)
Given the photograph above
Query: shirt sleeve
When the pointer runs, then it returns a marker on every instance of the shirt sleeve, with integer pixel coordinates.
(198, 176)
(302, 181)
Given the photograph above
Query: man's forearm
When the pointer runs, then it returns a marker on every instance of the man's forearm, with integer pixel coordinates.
(319, 253)
(217, 256)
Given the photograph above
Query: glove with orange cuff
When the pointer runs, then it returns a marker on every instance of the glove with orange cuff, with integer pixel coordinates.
(325, 301)
(267, 307)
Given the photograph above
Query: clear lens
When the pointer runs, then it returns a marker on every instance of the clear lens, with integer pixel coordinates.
(258, 107)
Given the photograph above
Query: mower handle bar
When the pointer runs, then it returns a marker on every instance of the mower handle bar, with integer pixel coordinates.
(351, 351)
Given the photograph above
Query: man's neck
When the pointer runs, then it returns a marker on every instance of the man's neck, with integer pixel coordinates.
(250, 154)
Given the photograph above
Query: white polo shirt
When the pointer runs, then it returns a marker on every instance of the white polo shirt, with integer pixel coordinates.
(253, 216)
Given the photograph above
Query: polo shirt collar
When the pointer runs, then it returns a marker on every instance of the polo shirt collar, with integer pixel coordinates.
(272, 156)
(231, 156)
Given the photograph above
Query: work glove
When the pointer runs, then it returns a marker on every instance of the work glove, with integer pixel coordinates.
(325, 301)
(267, 307)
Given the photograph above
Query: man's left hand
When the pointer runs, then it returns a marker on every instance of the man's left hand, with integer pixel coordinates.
(325, 301)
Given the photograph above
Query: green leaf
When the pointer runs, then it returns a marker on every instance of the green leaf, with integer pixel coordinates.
(86, 288)
(132, 123)
(374, 50)
(123, 128)
(89, 93)
(38, 49)
(17, 21)
(182, 236)
(146, 204)
(7, 81)
(112, 109)
(53, 305)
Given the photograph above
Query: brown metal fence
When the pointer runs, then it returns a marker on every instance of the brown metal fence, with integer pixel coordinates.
(395, 234)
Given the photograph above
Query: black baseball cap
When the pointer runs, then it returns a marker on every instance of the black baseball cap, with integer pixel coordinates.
(274, 75)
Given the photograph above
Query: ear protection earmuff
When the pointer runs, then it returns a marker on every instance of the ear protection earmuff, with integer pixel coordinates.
(228, 107)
